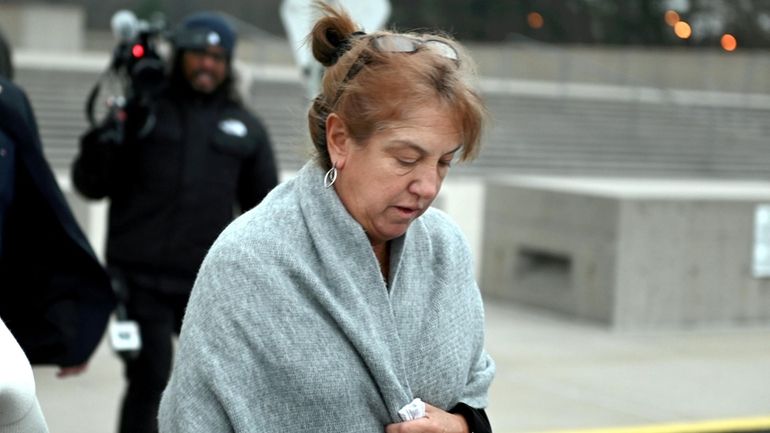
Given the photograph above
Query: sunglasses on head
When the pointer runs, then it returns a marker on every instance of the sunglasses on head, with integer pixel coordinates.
(410, 44)
(389, 43)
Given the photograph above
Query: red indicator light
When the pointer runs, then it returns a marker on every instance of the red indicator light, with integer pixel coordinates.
(137, 50)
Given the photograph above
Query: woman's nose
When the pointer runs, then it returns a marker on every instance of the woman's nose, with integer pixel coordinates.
(426, 183)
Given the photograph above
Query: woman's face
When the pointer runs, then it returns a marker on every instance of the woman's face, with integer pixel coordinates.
(393, 178)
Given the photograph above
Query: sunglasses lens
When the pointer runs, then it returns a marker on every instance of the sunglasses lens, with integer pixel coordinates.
(405, 44)
(442, 48)
(395, 44)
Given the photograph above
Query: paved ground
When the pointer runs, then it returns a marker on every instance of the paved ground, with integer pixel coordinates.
(556, 374)
(553, 374)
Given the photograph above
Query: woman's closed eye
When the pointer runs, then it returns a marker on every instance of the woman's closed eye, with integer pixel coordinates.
(411, 162)
(407, 161)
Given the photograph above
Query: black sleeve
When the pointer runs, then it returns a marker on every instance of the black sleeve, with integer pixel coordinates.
(476, 418)
(56, 300)
(102, 161)
(92, 166)
(259, 172)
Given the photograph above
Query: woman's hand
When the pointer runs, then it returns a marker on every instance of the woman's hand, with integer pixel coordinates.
(435, 421)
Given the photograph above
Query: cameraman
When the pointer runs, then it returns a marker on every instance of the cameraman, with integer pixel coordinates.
(187, 162)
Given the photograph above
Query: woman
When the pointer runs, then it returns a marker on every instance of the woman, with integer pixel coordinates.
(342, 297)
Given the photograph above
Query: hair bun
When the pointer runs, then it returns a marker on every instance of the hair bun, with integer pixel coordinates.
(331, 35)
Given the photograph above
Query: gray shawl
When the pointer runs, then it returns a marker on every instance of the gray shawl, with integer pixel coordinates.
(291, 327)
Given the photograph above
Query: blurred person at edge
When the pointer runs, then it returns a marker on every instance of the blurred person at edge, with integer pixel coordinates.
(55, 297)
(19, 408)
(172, 190)
(343, 302)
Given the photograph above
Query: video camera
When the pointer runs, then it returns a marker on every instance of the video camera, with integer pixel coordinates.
(138, 70)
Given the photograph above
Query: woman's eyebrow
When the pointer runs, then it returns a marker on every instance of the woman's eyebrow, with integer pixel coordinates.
(401, 144)
(455, 149)
(398, 144)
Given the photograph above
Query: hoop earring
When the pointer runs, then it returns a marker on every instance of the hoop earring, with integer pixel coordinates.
(331, 176)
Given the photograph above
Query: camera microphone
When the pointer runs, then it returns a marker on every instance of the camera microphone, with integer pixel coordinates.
(125, 25)
(136, 66)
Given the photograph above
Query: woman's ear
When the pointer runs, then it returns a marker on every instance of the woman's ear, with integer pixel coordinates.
(337, 139)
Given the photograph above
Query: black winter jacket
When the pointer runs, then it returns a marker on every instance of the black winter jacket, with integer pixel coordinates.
(174, 190)
(55, 297)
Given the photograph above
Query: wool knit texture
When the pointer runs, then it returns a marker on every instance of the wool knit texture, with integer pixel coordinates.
(292, 328)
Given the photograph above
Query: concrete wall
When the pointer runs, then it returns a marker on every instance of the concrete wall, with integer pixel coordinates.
(686, 263)
(662, 68)
(553, 249)
(629, 253)
(43, 27)
(463, 199)
(742, 71)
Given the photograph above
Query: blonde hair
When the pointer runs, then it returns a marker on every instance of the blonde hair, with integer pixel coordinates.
(389, 86)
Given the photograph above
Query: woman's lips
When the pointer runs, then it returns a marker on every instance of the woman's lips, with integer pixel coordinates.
(407, 212)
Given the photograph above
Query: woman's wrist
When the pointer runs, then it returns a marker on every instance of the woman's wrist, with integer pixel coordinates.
(461, 422)
(476, 420)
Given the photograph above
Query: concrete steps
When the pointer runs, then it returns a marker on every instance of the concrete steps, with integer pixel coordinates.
(528, 133)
